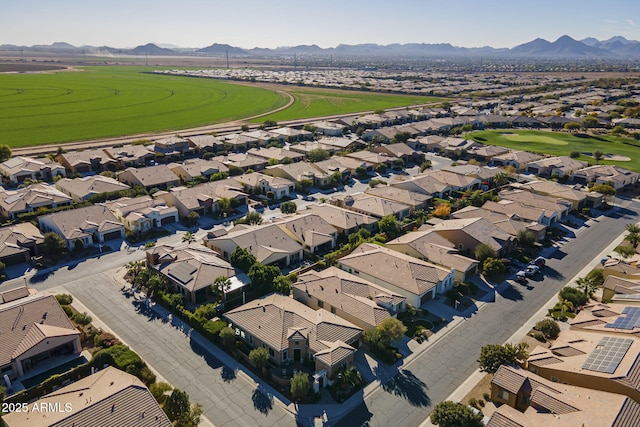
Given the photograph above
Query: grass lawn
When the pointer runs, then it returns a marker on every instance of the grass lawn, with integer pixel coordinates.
(99, 102)
(412, 326)
(563, 143)
(316, 102)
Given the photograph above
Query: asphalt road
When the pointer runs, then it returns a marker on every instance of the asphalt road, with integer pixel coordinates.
(409, 397)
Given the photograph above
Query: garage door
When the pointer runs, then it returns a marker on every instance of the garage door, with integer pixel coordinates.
(168, 220)
(112, 235)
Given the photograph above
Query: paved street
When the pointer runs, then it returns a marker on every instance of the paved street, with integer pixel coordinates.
(228, 398)
(409, 397)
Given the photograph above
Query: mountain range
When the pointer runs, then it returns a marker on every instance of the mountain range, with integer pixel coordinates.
(616, 47)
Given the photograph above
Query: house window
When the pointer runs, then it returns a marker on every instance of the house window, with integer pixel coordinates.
(460, 246)
(333, 309)
(526, 399)
(503, 394)
(320, 304)
(285, 355)
(297, 342)
(534, 370)
(272, 353)
(250, 339)
(555, 380)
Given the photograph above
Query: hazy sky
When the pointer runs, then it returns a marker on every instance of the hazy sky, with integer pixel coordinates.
(327, 23)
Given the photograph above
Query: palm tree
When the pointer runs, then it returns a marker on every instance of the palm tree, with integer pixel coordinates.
(633, 239)
(587, 285)
(221, 286)
(632, 228)
(188, 238)
(225, 204)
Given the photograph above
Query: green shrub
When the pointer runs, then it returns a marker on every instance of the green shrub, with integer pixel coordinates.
(539, 336)
(64, 299)
(68, 311)
(486, 396)
(549, 328)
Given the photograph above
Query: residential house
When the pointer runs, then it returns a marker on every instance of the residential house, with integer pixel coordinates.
(415, 279)
(19, 242)
(158, 177)
(486, 174)
(190, 271)
(426, 184)
(329, 128)
(508, 222)
(292, 135)
(517, 159)
(141, 214)
(430, 143)
(605, 174)
(310, 230)
(107, 397)
(131, 155)
(466, 234)
(606, 361)
(18, 169)
(521, 211)
(271, 186)
(345, 166)
(206, 143)
(486, 153)
(239, 142)
(549, 204)
(415, 201)
(173, 147)
(456, 181)
(556, 166)
(344, 220)
(204, 198)
(192, 169)
(88, 161)
(577, 197)
(401, 151)
(269, 243)
(371, 205)
(428, 245)
(373, 158)
(621, 289)
(521, 398)
(30, 199)
(82, 189)
(350, 297)
(455, 146)
(293, 333)
(342, 144)
(83, 227)
(262, 137)
(243, 161)
(280, 154)
(305, 147)
(300, 172)
(35, 330)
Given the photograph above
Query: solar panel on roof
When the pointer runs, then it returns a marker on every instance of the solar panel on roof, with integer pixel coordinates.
(182, 272)
(630, 320)
(607, 355)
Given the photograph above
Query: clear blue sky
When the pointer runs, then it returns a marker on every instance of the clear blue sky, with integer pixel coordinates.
(327, 23)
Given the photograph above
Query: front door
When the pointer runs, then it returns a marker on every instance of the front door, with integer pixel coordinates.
(296, 354)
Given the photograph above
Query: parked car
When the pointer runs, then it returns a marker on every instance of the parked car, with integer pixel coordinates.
(521, 276)
(531, 270)
(540, 261)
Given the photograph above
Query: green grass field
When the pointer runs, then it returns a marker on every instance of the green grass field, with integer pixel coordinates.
(99, 102)
(562, 144)
(317, 102)
(110, 101)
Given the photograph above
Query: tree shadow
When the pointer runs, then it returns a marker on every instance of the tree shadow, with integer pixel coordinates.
(211, 360)
(511, 293)
(406, 385)
(262, 401)
(227, 374)
(360, 416)
(552, 273)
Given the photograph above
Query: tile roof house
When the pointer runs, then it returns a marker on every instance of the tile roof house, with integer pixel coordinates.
(206, 142)
(621, 289)
(298, 172)
(571, 193)
(373, 158)
(521, 211)
(407, 197)
(107, 397)
(280, 187)
(88, 161)
(34, 329)
(190, 271)
(203, 198)
(159, 176)
(468, 233)
(30, 199)
(19, 242)
(402, 151)
(243, 161)
(269, 243)
(549, 204)
(371, 205)
(81, 189)
(191, 169)
(310, 230)
(512, 224)
(173, 146)
(517, 159)
(417, 280)
(560, 166)
(280, 154)
(605, 361)
(131, 155)
(604, 174)
(344, 220)
(526, 399)
(83, 227)
(429, 246)
(141, 214)
(350, 297)
(291, 331)
(425, 184)
(17, 169)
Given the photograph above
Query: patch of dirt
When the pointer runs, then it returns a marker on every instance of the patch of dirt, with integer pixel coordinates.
(483, 386)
